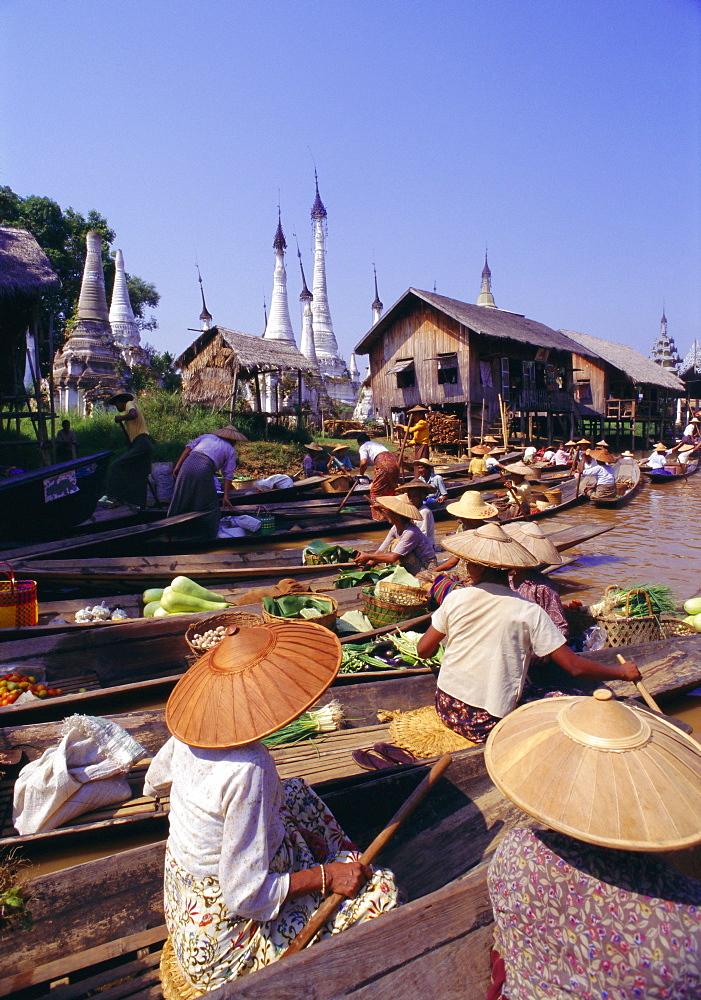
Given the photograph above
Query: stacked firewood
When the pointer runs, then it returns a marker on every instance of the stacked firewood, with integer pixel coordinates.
(444, 429)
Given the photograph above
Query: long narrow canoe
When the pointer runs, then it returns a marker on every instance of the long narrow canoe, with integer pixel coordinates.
(626, 471)
(669, 668)
(660, 477)
(112, 908)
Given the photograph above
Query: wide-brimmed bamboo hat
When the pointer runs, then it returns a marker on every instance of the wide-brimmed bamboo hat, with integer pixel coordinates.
(415, 484)
(695, 420)
(687, 447)
(252, 683)
(570, 444)
(490, 439)
(660, 447)
(119, 397)
(497, 451)
(400, 505)
(583, 441)
(520, 469)
(313, 446)
(601, 771)
(472, 507)
(480, 449)
(230, 433)
(489, 545)
(602, 455)
(338, 448)
(602, 444)
(627, 454)
(419, 408)
(422, 461)
(530, 535)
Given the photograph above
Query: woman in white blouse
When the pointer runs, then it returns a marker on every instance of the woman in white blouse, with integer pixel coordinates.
(249, 858)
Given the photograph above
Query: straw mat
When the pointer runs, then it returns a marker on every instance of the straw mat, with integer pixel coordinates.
(173, 982)
(423, 733)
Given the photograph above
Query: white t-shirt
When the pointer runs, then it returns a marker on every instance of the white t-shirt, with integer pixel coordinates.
(427, 524)
(491, 462)
(529, 454)
(225, 820)
(492, 633)
(657, 460)
(370, 450)
(603, 474)
(548, 455)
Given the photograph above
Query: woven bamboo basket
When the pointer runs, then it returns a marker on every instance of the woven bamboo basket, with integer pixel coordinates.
(671, 625)
(381, 612)
(337, 484)
(626, 630)
(554, 495)
(328, 621)
(398, 593)
(242, 484)
(226, 619)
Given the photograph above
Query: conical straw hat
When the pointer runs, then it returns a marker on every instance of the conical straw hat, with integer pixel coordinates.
(415, 484)
(480, 449)
(313, 446)
(600, 771)
(520, 469)
(489, 545)
(400, 505)
(687, 447)
(472, 507)
(583, 441)
(253, 683)
(339, 448)
(418, 409)
(570, 444)
(230, 433)
(660, 447)
(602, 455)
(602, 444)
(490, 439)
(497, 450)
(627, 454)
(530, 535)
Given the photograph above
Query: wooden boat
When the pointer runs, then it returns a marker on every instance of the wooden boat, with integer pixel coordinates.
(669, 668)
(44, 502)
(671, 473)
(628, 482)
(112, 908)
(126, 574)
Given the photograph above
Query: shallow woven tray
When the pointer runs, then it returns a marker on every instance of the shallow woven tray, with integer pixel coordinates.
(229, 619)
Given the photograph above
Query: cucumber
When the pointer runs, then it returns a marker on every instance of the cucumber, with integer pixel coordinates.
(175, 602)
(160, 613)
(151, 608)
(191, 589)
(693, 606)
(154, 594)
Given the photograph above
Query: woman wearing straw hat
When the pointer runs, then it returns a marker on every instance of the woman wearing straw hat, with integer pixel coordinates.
(339, 460)
(248, 857)
(518, 489)
(471, 511)
(416, 492)
(584, 908)
(492, 633)
(315, 460)
(404, 543)
(195, 485)
(127, 479)
(386, 476)
(602, 483)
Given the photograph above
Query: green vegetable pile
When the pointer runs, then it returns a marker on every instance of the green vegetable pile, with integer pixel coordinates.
(182, 597)
(326, 553)
(395, 652)
(297, 606)
(662, 601)
(309, 724)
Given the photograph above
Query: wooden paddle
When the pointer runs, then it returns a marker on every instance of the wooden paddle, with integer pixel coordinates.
(651, 703)
(330, 905)
(343, 502)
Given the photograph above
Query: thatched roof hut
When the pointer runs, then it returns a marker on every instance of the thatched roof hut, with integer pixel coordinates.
(639, 369)
(214, 364)
(25, 275)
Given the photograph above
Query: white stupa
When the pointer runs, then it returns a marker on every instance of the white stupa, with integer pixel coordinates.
(279, 325)
(125, 329)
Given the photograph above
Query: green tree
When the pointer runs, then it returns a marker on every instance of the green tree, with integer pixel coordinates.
(160, 373)
(61, 235)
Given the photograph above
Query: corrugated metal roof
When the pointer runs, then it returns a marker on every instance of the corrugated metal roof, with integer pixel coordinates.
(481, 319)
(634, 364)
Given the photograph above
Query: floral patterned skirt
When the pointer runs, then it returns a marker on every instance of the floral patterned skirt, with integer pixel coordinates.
(214, 946)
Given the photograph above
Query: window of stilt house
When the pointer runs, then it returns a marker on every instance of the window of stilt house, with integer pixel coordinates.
(405, 373)
(447, 369)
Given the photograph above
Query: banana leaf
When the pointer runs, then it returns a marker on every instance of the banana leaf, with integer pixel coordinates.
(291, 605)
(361, 577)
(327, 552)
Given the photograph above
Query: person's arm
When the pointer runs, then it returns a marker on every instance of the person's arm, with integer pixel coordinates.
(450, 563)
(429, 642)
(373, 558)
(130, 414)
(227, 487)
(180, 461)
(344, 877)
(579, 666)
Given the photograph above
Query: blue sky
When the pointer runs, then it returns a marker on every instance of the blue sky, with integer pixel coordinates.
(563, 134)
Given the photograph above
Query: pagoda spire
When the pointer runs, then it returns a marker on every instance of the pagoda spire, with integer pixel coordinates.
(485, 297)
(354, 370)
(205, 315)
(279, 324)
(92, 303)
(306, 298)
(377, 305)
(664, 350)
(125, 329)
(325, 342)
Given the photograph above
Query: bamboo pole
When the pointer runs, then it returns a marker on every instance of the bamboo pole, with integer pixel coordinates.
(330, 905)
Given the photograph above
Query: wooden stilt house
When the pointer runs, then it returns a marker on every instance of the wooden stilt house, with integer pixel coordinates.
(622, 395)
(221, 362)
(26, 276)
(461, 358)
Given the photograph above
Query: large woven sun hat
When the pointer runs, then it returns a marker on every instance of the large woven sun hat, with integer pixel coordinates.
(480, 449)
(399, 505)
(422, 461)
(530, 535)
(602, 444)
(660, 447)
(423, 733)
(695, 420)
(627, 454)
(415, 484)
(230, 433)
(687, 447)
(570, 444)
(602, 455)
(490, 439)
(119, 397)
(583, 441)
(520, 469)
(601, 771)
(252, 683)
(339, 448)
(489, 545)
(418, 409)
(472, 507)
(497, 450)
(313, 447)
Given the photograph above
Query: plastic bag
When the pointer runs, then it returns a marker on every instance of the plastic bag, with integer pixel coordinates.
(594, 638)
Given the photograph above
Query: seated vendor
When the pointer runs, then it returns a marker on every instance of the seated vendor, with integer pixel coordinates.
(478, 464)
(658, 458)
(315, 460)
(404, 544)
(471, 511)
(339, 460)
(586, 905)
(531, 584)
(602, 485)
(249, 858)
(518, 489)
(491, 633)
(425, 471)
(416, 492)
